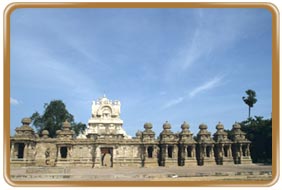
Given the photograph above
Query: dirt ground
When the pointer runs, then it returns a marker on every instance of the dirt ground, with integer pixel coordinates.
(192, 173)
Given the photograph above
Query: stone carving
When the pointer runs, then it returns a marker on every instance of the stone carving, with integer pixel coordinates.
(47, 156)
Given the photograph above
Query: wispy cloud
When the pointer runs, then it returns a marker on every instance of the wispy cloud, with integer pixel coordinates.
(173, 102)
(206, 86)
(209, 39)
(14, 101)
(53, 71)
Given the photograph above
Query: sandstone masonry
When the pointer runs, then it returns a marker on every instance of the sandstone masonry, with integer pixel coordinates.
(106, 144)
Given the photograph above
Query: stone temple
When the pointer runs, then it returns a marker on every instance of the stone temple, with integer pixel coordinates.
(106, 144)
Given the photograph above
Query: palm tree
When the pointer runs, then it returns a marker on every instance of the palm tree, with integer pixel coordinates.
(250, 100)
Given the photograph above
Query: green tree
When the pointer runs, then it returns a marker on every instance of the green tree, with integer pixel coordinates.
(259, 132)
(55, 113)
(250, 100)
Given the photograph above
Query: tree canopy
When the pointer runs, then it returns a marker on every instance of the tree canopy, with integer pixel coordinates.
(250, 100)
(55, 113)
(259, 131)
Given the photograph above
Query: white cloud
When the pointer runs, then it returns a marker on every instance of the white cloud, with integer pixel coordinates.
(173, 102)
(206, 86)
(13, 101)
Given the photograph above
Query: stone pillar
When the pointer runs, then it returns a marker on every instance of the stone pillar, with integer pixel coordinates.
(204, 152)
(59, 152)
(155, 152)
(229, 151)
(166, 151)
(184, 151)
(24, 151)
(12, 154)
(220, 154)
(69, 155)
(29, 152)
(183, 154)
(143, 155)
(174, 152)
(163, 155)
(193, 155)
(222, 150)
(211, 152)
(146, 151)
(240, 148)
(248, 150)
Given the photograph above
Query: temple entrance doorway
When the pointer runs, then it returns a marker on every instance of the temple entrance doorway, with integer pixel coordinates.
(107, 156)
(20, 150)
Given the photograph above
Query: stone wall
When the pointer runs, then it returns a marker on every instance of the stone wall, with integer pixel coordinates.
(42, 149)
(144, 150)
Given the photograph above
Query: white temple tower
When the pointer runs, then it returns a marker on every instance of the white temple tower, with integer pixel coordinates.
(105, 120)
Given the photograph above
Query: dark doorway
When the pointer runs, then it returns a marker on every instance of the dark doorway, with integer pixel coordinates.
(150, 152)
(169, 151)
(21, 150)
(208, 151)
(189, 151)
(226, 151)
(244, 148)
(64, 152)
(107, 156)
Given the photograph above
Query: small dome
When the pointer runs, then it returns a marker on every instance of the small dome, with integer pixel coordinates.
(148, 126)
(66, 124)
(45, 132)
(166, 125)
(104, 99)
(138, 133)
(26, 121)
(58, 132)
(219, 126)
(236, 125)
(185, 125)
(203, 126)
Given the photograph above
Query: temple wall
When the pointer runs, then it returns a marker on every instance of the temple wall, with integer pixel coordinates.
(40, 157)
(127, 155)
(82, 152)
(106, 144)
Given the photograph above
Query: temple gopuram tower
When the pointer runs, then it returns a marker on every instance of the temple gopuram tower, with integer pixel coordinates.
(222, 150)
(205, 146)
(241, 146)
(187, 147)
(105, 120)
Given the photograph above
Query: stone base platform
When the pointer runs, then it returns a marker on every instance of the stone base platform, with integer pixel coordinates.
(190, 162)
(197, 173)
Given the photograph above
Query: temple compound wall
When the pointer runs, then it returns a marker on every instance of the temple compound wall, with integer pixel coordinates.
(106, 144)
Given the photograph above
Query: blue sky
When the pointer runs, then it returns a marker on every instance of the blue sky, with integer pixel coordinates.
(171, 65)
